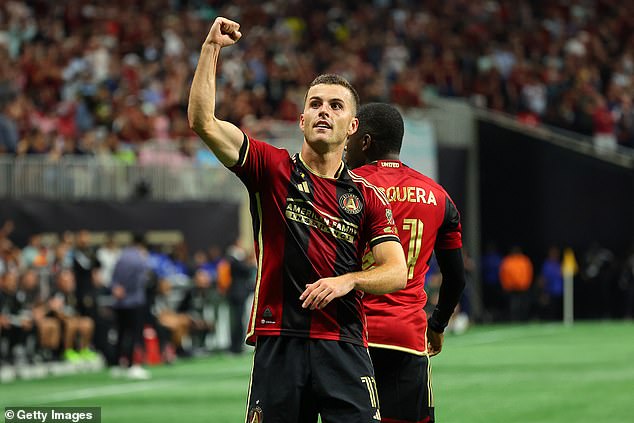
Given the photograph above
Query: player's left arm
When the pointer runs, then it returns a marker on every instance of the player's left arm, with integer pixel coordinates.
(451, 266)
(449, 256)
(388, 275)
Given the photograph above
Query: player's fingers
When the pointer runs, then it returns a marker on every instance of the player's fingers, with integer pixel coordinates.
(229, 27)
(433, 350)
(226, 22)
(312, 295)
(218, 22)
(308, 300)
(327, 300)
(307, 291)
(319, 298)
(230, 23)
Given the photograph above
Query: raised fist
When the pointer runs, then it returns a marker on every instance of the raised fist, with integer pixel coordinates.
(224, 32)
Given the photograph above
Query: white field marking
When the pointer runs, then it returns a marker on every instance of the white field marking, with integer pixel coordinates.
(101, 391)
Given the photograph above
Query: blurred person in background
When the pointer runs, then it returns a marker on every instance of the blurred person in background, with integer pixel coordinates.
(196, 305)
(599, 268)
(62, 257)
(401, 338)
(307, 320)
(551, 286)
(15, 324)
(107, 254)
(129, 280)
(516, 277)
(9, 135)
(35, 253)
(624, 116)
(492, 294)
(218, 268)
(9, 254)
(78, 330)
(604, 136)
(171, 326)
(90, 287)
(86, 268)
(242, 284)
(33, 302)
(33, 305)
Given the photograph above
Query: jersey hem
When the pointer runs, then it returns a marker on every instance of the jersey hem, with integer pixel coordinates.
(398, 348)
(299, 334)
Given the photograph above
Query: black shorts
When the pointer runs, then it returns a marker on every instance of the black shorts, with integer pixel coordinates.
(295, 379)
(404, 384)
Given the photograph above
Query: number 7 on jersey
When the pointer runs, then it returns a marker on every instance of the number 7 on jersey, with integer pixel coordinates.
(415, 228)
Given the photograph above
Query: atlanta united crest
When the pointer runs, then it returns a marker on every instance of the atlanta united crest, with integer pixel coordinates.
(255, 415)
(350, 203)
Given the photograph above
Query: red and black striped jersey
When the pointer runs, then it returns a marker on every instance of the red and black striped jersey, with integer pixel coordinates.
(308, 227)
(427, 219)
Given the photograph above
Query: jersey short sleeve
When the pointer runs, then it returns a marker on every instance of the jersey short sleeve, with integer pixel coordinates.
(380, 220)
(254, 162)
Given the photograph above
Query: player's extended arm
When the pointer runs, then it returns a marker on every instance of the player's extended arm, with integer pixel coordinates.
(388, 275)
(453, 282)
(223, 138)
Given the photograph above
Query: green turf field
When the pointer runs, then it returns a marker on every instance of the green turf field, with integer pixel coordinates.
(509, 374)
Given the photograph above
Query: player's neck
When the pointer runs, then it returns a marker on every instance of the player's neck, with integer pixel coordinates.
(389, 157)
(325, 165)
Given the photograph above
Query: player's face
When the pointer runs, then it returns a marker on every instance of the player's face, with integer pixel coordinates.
(329, 115)
(354, 155)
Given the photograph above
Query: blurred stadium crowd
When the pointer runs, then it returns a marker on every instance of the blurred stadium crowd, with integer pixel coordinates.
(57, 304)
(105, 76)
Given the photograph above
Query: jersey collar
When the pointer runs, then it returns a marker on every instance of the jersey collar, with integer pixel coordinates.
(337, 173)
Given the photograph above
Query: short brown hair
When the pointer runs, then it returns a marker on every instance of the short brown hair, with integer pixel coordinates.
(334, 79)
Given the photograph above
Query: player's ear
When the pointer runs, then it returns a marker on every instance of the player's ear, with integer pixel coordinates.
(301, 122)
(366, 142)
(354, 125)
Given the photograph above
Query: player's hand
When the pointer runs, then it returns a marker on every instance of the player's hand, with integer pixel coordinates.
(434, 342)
(224, 32)
(319, 294)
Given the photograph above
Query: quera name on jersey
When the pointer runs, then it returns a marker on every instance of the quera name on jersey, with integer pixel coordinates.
(409, 194)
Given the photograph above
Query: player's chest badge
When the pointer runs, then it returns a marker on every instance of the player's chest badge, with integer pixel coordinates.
(350, 203)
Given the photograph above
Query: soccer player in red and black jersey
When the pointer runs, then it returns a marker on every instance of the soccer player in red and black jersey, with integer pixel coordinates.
(400, 337)
(312, 219)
